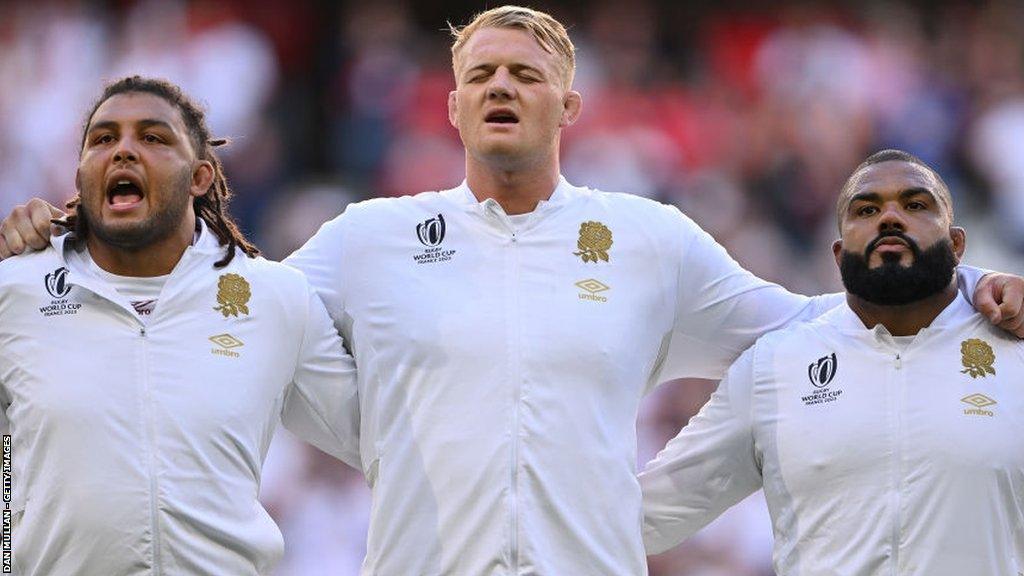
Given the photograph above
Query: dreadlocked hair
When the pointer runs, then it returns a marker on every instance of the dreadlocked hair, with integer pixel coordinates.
(210, 207)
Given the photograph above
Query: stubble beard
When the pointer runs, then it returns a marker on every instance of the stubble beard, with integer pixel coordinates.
(157, 226)
(511, 157)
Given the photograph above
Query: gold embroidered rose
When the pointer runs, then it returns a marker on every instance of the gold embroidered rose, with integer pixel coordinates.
(978, 357)
(595, 240)
(233, 294)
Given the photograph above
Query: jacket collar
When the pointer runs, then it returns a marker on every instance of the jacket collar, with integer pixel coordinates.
(206, 243)
(957, 312)
(463, 196)
(200, 254)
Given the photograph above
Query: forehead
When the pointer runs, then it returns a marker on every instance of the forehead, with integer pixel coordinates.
(496, 46)
(894, 176)
(135, 107)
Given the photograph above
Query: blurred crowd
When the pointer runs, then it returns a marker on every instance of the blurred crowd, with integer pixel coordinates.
(747, 118)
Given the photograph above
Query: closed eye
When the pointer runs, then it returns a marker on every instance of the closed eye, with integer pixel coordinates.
(479, 73)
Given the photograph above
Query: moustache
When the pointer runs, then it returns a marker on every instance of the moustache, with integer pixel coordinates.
(914, 248)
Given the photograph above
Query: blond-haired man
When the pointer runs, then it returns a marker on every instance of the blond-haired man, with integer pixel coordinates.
(505, 330)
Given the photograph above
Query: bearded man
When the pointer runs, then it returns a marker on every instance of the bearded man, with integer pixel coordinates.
(885, 433)
(147, 358)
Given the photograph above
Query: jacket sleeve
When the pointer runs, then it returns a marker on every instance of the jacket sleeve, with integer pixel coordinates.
(321, 260)
(967, 278)
(711, 465)
(722, 309)
(321, 406)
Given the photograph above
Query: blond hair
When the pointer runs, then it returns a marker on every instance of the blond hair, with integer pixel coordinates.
(547, 31)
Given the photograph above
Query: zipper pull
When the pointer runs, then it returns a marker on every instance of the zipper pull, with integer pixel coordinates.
(899, 362)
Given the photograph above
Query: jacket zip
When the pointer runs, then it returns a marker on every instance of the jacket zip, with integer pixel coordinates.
(898, 390)
(151, 437)
(514, 320)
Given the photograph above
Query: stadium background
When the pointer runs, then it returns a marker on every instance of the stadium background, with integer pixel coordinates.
(746, 118)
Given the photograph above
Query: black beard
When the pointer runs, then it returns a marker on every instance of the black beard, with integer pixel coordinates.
(892, 284)
(158, 226)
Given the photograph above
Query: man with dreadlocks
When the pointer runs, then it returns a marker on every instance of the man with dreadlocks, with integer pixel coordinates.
(139, 451)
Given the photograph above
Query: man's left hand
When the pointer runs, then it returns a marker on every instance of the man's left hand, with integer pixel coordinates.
(1000, 297)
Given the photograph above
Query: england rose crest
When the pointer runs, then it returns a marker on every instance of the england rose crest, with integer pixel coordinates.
(233, 294)
(978, 358)
(595, 240)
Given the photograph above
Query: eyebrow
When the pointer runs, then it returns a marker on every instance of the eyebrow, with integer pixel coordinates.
(144, 123)
(513, 68)
(875, 197)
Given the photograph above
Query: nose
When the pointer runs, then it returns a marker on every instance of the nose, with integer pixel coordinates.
(892, 219)
(501, 86)
(125, 151)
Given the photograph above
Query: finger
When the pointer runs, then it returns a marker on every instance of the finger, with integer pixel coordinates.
(41, 213)
(54, 211)
(58, 221)
(1014, 326)
(1012, 306)
(5, 252)
(985, 297)
(35, 229)
(12, 239)
(1012, 300)
(57, 229)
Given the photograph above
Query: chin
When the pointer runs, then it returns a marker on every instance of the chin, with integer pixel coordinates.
(499, 144)
(124, 235)
(890, 260)
(500, 155)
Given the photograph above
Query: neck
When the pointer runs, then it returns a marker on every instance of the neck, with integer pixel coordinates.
(518, 190)
(155, 259)
(904, 319)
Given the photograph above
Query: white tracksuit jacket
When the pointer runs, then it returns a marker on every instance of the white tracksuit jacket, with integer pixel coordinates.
(500, 373)
(137, 449)
(874, 461)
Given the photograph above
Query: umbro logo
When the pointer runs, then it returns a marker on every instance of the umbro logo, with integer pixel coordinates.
(593, 287)
(979, 403)
(225, 342)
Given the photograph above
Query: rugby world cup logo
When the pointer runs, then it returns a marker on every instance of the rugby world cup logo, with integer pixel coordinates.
(431, 232)
(57, 283)
(823, 370)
